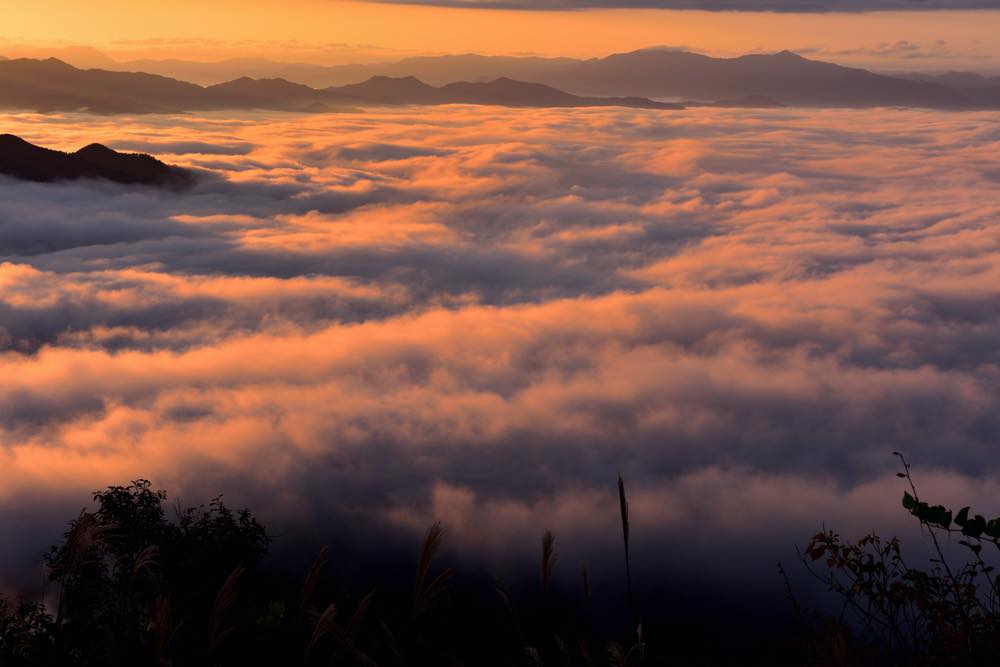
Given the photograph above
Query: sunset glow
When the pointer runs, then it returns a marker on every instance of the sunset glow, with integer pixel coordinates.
(336, 31)
(525, 334)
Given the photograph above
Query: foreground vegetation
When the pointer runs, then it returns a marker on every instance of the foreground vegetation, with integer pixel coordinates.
(893, 612)
(132, 586)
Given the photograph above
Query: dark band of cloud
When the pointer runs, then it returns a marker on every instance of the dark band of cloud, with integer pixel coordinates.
(791, 6)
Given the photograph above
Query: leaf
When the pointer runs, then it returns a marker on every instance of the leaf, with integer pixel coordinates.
(962, 517)
(909, 502)
(940, 516)
(974, 527)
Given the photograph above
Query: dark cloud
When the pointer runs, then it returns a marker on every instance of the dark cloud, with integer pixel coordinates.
(385, 152)
(182, 147)
(718, 5)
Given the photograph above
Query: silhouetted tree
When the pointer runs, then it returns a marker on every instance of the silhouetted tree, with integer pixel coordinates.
(132, 585)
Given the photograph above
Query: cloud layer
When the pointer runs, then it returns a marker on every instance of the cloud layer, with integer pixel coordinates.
(483, 315)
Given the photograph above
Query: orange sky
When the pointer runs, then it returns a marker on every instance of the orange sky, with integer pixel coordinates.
(317, 30)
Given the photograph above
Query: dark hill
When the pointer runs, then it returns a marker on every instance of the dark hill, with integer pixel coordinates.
(516, 92)
(389, 90)
(276, 94)
(53, 85)
(22, 160)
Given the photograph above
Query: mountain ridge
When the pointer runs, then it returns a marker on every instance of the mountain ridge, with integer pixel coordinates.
(503, 91)
(23, 160)
(651, 78)
(52, 85)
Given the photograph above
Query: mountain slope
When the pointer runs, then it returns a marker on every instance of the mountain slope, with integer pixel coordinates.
(277, 94)
(53, 85)
(984, 91)
(22, 160)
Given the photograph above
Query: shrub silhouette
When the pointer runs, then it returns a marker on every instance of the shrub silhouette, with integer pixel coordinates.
(893, 613)
(133, 585)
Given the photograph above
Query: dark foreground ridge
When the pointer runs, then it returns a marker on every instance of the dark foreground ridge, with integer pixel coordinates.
(28, 162)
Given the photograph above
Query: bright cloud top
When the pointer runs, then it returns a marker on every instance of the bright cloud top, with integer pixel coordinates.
(483, 315)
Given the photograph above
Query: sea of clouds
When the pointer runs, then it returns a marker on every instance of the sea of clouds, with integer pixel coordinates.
(483, 315)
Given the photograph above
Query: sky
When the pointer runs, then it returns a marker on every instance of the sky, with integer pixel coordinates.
(482, 316)
(336, 31)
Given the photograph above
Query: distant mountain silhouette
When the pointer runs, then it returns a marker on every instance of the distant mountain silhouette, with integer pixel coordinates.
(84, 57)
(25, 161)
(960, 80)
(435, 70)
(982, 91)
(652, 73)
(627, 79)
(265, 94)
(51, 85)
(501, 92)
(389, 90)
(212, 73)
(785, 77)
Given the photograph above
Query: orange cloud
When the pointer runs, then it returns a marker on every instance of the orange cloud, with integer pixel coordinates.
(476, 314)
